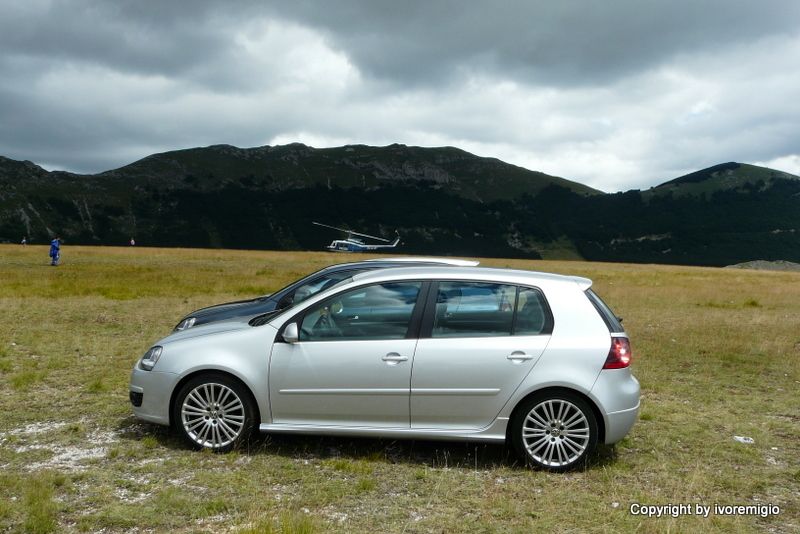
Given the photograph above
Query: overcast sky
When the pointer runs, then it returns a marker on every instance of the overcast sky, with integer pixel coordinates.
(615, 94)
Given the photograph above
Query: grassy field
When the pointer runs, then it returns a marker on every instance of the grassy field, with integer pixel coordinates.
(716, 352)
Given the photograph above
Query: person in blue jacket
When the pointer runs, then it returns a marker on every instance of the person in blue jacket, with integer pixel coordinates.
(55, 250)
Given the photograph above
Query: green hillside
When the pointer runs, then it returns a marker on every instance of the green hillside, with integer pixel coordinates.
(722, 177)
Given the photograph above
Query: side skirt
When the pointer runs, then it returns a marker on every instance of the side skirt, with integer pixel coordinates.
(496, 432)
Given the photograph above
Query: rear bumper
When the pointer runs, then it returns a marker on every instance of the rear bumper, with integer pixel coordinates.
(618, 424)
(616, 393)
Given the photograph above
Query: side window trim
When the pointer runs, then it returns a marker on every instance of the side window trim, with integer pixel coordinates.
(516, 307)
(426, 328)
(420, 307)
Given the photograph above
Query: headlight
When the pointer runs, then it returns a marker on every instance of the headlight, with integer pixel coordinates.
(150, 358)
(186, 323)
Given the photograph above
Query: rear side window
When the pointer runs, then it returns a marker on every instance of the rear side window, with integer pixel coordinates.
(533, 317)
(474, 309)
(479, 309)
(609, 317)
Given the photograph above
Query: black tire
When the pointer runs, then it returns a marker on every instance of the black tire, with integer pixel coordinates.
(214, 411)
(555, 430)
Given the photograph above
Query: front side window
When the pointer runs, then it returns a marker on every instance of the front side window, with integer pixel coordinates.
(467, 309)
(380, 311)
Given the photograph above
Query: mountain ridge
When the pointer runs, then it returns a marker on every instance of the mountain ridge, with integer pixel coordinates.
(442, 200)
(723, 176)
(350, 166)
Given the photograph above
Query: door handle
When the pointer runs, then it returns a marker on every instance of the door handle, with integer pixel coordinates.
(393, 358)
(518, 356)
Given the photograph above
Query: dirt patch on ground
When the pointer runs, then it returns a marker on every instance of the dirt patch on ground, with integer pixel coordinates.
(32, 437)
(764, 265)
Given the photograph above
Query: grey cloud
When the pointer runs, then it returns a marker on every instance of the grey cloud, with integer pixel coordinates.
(543, 42)
(419, 43)
(143, 37)
(617, 94)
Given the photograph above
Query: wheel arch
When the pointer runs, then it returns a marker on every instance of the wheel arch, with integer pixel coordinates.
(601, 424)
(194, 374)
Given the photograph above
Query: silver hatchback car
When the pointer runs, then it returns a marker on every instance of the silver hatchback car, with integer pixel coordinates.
(414, 352)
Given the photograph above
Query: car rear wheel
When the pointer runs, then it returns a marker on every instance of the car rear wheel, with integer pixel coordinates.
(556, 431)
(214, 412)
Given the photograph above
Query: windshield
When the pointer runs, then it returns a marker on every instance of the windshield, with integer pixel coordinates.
(310, 285)
(341, 282)
(294, 284)
(313, 287)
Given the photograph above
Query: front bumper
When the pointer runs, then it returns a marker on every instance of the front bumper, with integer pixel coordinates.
(152, 389)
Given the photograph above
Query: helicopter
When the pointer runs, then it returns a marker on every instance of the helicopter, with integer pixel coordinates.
(354, 244)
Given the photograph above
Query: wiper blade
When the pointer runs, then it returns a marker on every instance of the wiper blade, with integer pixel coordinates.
(262, 319)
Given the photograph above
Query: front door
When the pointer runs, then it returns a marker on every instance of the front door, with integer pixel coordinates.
(352, 363)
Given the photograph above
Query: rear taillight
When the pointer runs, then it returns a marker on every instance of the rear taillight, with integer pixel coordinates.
(619, 356)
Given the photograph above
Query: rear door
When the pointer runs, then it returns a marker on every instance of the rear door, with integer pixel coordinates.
(478, 342)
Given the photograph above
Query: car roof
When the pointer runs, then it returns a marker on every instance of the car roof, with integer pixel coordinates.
(400, 261)
(456, 262)
(470, 273)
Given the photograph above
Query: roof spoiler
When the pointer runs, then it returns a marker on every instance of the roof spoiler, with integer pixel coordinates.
(583, 283)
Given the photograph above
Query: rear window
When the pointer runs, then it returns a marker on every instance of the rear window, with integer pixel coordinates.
(609, 317)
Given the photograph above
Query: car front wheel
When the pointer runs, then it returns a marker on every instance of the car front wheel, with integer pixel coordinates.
(556, 431)
(214, 412)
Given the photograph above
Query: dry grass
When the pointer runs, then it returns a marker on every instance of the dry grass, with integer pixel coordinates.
(716, 352)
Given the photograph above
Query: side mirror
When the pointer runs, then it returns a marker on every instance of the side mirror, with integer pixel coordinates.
(290, 334)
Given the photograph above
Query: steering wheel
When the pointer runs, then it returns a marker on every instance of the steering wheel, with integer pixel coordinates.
(325, 325)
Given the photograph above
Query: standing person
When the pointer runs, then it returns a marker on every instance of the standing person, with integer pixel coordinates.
(55, 250)
(133, 242)
(24, 241)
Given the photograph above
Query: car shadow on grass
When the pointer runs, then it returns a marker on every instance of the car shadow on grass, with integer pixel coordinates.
(423, 453)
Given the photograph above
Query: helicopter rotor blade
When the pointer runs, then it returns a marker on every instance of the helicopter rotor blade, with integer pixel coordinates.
(333, 227)
(350, 232)
(371, 237)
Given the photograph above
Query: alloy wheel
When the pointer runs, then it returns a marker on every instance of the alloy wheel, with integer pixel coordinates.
(213, 415)
(555, 433)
